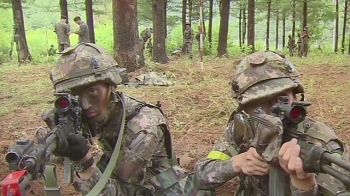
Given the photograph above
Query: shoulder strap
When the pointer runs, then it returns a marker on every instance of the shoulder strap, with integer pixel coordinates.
(109, 169)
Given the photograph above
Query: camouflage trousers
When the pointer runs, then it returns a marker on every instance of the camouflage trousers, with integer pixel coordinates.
(291, 50)
(300, 50)
(188, 48)
(62, 47)
(305, 50)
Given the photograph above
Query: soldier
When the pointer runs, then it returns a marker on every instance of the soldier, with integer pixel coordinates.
(189, 35)
(291, 45)
(299, 43)
(305, 41)
(83, 31)
(146, 36)
(260, 79)
(51, 51)
(146, 160)
(62, 30)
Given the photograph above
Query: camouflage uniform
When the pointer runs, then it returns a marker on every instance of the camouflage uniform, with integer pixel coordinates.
(62, 31)
(299, 43)
(272, 74)
(83, 33)
(189, 35)
(305, 41)
(291, 45)
(146, 161)
(146, 36)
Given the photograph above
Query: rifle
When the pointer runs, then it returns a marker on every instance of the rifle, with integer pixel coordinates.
(316, 159)
(30, 160)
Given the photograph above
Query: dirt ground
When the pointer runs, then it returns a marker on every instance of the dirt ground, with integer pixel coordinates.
(197, 106)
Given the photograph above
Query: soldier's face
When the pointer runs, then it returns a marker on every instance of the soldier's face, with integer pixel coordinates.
(187, 27)
(94, 99)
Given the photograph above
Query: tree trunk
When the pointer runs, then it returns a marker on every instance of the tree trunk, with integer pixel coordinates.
(277, 21)
(190, 3)
(305, 13)
(344, 26)
(90, 19)
(251, 24)
(20, 33)
(224, 19)
(127, 45)
(268, 25)
(64, 9)
(159, 53)
(165, 21)
(184, 9)
(293, 16)
(210, 22)
(240, 28)
(244, 24)
(336, 29)
(284, 31)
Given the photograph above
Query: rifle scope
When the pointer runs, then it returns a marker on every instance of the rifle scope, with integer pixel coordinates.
(294, 113)
(63, 104)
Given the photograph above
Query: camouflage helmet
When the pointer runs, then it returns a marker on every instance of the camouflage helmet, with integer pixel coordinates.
(262, 74)
(84, 64)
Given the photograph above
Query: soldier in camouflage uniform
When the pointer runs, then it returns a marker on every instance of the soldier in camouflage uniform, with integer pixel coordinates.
(291, 45)
(305, 36)
(146, 160)
(83, 31)
(146, 36)
(299, 44)
(63, 32)
(260, 79)
(189, 35)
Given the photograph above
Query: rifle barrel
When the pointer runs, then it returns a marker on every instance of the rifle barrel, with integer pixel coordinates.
(345, 179)
(340, 162)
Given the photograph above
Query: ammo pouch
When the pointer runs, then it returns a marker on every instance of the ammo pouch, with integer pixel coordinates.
(177, 181)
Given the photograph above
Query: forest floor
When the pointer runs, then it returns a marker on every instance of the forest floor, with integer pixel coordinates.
(197, 106)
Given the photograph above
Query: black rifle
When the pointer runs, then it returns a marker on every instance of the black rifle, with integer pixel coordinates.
(28, 159)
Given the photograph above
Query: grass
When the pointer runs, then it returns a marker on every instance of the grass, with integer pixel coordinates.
(198, 105)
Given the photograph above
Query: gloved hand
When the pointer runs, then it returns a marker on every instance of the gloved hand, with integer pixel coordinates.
(77, 148)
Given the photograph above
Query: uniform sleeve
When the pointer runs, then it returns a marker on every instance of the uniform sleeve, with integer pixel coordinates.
(311, 192)
(216, 169)
(81, 30)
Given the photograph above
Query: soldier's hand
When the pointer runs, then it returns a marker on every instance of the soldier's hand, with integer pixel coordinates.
(77, 148)
(250, 163)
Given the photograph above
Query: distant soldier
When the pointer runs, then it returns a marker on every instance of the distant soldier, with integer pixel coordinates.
(291, 45)
(305, 41)
(189, 35)
(51, 51)
(299, 43)
(146, 36)
(83, 31)
(62, 31)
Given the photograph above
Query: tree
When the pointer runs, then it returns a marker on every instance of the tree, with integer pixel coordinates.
(293, 17)
(284, 30)
(251, 24)
(64, 9)
(277, 22)
(184, 13)
(336, 28)
(305, 13)
(20, 34)
(344, 26)
(210, 30)
(224, 19)
(159, 54)
(90, 19)
(127, 44)
(268, 24)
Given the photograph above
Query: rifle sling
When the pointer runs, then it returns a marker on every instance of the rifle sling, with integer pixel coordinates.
(109, 169)
(50, 181)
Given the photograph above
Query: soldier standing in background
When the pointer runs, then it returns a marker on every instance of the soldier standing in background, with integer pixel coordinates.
(146, 36)
(305, 41)
(291, 45)
(188, 40)
(299, 45)
(83, 31)
(62, 31)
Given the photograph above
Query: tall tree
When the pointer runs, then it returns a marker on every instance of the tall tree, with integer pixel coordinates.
(293, 18)
(251, 24)
(159, 53)
(165, 21)
(184, 14)
(20, 33)
(277, 29)
(224, 19)
(64, 9)
(244, 23)
(268, 25)
(240, 27)
(210, 22)
(344, 25)
(90, 19)
(284, 30)
(127, 46)
(305, 13)
(190, 7)
(336, 26)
